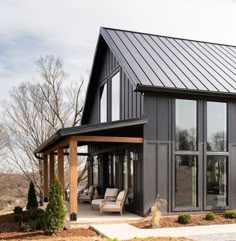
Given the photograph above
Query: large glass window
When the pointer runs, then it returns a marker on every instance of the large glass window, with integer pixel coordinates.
(115, 93)
(217, 181)
(103, 103)
(95, 171)
(186, 187)
(128, 174)
(186, 125)
(216, 126)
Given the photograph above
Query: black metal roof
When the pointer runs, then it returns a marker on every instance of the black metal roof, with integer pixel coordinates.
(161, 61)
(106, 128)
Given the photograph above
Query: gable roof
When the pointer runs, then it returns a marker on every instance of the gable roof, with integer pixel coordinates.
(160, 61)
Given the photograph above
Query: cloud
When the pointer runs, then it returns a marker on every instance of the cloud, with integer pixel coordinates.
(69, 29)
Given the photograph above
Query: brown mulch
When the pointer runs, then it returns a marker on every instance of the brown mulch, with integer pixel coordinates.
(8, 231)
(197, 219)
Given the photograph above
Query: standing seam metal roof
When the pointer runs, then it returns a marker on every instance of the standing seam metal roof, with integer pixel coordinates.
(160, 61)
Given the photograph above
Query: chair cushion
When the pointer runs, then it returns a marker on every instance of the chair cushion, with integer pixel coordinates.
(111, 206)
(90, 190)
(120, 197)
(97, 201)
(110, 194)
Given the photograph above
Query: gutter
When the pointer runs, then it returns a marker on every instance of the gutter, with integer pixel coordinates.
(181, 91)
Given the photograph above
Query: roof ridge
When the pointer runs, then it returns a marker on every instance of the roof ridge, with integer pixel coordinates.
(164, 36)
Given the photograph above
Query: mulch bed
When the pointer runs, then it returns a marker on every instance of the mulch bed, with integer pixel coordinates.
(8, 231)
(197, 219)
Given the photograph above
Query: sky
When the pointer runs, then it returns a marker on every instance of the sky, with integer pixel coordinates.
(69, 29)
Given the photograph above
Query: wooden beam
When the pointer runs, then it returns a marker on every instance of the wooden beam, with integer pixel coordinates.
(52, 169)
(73, 176)
(45, 177)
(60, 161)
(62, 144)
(109, 139)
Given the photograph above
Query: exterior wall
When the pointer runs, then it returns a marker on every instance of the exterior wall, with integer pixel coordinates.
(156, 150)
(131, 102)
(159, 152)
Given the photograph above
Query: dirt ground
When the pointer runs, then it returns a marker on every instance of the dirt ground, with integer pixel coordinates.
(9, 229)
(197, 219)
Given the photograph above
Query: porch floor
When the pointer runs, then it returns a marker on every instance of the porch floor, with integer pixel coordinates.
(86, 216)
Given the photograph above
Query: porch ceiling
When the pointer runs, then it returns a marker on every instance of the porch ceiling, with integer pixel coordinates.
(125, 128)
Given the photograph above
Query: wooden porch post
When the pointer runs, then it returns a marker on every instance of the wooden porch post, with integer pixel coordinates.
(73, 178)
(60, 160)
(45, 177)
(52, 169)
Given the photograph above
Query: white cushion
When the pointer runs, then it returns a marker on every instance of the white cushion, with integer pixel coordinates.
(90, 189)
(120, 197)
(111, 194)
(97, 201)
(110, 206)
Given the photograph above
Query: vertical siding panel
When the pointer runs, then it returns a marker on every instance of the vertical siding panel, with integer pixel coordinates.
(130, 100)
(138, 105)
(134, 104)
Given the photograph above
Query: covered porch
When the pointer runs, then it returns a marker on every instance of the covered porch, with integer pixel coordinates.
(114, 160)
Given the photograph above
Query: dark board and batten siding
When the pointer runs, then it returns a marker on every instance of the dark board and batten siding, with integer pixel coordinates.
(157, 150)
(131, 102)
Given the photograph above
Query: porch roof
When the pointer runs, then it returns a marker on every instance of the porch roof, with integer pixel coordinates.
(115, 128)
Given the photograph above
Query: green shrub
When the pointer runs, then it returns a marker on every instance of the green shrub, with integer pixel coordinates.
(17, 210)
(32, 199)
(55, 213)
(25, 227)
(36, 213)
(18, 217)
(230, 214)
(184, 218)
(210, 216)
(25, 218)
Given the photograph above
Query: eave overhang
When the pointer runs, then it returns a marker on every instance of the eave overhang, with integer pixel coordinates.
(183, 92)
(89, 130)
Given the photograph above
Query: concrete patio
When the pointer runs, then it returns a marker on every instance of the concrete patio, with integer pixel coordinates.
(86, 217)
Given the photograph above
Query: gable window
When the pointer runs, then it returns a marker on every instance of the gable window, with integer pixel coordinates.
(103, 103)
(115, 93)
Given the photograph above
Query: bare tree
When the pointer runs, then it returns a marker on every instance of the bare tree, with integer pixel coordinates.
(36, 110)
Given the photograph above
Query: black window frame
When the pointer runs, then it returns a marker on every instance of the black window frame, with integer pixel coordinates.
(188, 153)
(214, 153)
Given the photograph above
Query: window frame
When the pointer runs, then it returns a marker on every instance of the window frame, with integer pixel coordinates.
(117, 71)
(102, 85)
(187, 153)
(214, 153)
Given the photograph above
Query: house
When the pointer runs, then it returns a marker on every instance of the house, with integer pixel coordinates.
(159, 118)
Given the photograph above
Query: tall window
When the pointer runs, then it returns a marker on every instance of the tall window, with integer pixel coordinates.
(128, 174)
(103, 103)
(115, 93)
(186, 154)
(186, 125)
(216, 126)
(186, 176)
(95, 170)
(217, 155)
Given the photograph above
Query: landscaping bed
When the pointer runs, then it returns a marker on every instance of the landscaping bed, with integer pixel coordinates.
(196, 219)
(9, 231)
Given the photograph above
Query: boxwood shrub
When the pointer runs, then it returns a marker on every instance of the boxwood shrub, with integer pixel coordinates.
(184, 218)
(230, 214)
(210, 216)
